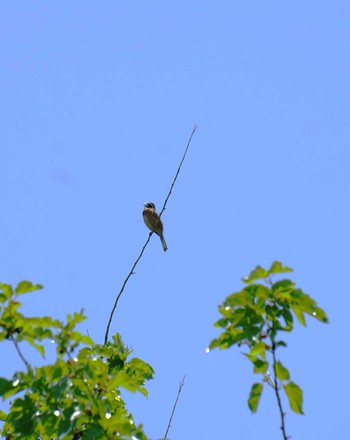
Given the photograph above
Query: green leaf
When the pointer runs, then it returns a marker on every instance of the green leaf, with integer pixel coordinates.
(37, 346)
(259, 349)
(320, 315)
(65, 425)
(10, 387)
(26, 286)
(235, 299)
(299, 314)
(6, 289)
(288, 318)
(21, 416)
(256, 274)
(295, 397)
(277, 267)
(260, 366)
(303, 303)
(141, 368)
(93, 432)
(5, 386)
(282, 372)
(254, 396)
(230, 337)
(281, 344)
(3, 416)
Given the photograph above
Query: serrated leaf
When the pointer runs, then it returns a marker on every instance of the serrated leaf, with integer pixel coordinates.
(303, 303)
(228, 338)
(27, 286)
(295, 397)
(256, 274)
(277, 267)
(299, 314)
(141, 368)
(282, 372)
(254, 396)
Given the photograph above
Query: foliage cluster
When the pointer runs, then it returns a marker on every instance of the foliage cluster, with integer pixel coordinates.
(76, 396)
(255, 317)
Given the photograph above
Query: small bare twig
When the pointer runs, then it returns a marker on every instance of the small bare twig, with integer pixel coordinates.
(278, 397)
(178, 170)
(124, 284)
(174, 407)
(148, 239)
(20, 354)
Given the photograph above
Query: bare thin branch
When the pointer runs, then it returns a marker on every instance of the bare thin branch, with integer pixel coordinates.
(148, 239)
(178, 170)
(174, 407)
(123, 286)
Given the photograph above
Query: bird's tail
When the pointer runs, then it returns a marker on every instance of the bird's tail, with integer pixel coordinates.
(162, 239)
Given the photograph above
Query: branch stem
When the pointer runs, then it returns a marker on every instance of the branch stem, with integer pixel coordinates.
(174, 407)
(276, 388)
(148, 239)
(20, 354)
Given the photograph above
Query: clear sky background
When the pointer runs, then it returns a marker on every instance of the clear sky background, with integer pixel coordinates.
(97, 102)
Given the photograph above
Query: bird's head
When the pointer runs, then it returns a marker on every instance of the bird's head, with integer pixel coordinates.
(150, 205)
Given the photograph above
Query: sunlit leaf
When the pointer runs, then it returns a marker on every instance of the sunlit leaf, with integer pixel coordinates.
(295, 397)
(254, 396)
(230, 337)
(288, 318)
(142, 368)
(27, 286)
(40, 348)
(282, 372)
(260, 366)
(256, 274)
(277, 267)
(3, 415)
(7, 290)
(320, 315)
(299, 314)
(259, 349)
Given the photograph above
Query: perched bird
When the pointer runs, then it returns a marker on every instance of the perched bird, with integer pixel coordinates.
(153, 221)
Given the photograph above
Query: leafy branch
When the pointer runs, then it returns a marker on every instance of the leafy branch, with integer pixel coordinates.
(76, 396)
(148, 239)
(253, 317)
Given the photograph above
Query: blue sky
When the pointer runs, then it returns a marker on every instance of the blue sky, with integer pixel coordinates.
(98, 101)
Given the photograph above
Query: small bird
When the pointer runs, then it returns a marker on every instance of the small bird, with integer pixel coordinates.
(153, 222)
